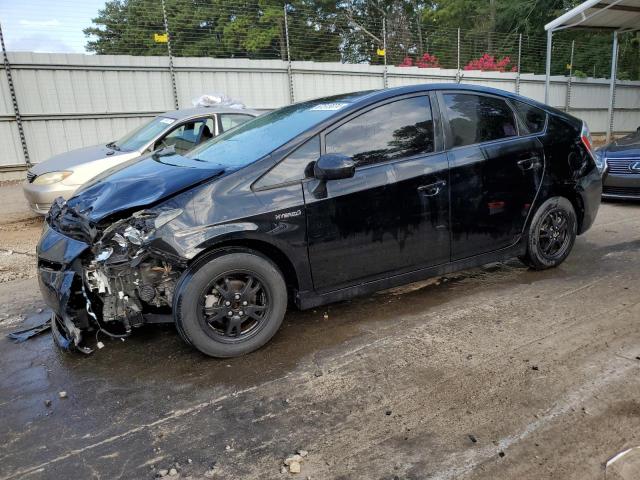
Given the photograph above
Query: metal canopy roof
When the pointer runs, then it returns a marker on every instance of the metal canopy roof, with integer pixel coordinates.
(613, 15)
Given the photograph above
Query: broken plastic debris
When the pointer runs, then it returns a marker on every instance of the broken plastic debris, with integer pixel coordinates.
(42, 322)
(100, 345)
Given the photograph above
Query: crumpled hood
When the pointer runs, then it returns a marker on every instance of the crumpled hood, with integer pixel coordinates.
(139, 183)
(68, 160)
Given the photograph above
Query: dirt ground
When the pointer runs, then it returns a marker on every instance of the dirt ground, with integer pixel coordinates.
(497, 372)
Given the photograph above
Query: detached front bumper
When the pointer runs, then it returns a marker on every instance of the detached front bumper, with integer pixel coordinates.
(60, 282)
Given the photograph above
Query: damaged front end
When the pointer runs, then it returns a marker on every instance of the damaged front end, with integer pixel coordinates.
(104, 278)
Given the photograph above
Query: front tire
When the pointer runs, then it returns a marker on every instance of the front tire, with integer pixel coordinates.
(231, 303)
(551, 235)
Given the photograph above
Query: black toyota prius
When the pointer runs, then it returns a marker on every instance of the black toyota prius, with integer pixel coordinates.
(313, 203)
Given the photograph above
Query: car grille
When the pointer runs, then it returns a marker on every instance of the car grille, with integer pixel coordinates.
(620, 166)
(622, 191)
(31, 176)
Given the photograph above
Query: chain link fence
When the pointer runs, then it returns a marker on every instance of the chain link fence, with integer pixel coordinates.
(358, 32)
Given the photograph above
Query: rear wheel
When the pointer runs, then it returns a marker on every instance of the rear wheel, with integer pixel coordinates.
(230, 305)
(551, 235)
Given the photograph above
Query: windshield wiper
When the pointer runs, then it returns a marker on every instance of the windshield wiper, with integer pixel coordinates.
(113, 146)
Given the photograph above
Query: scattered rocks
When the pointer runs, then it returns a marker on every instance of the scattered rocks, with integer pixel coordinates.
(227, 448)
(63, 394)
(534, 367)
(501, 454)
(318, 373)
(283, 469)
(388, 412)
(473, 438)
(47, 403)
(303, 453)
(163, 473)
(173, 472)
(209, 473)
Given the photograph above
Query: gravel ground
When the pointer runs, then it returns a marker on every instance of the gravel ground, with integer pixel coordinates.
(496, 372)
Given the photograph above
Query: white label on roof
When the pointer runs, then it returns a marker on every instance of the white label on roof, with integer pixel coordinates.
(168, 121)
(329, 106)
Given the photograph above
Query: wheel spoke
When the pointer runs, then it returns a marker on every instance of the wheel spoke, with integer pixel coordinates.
(215, 313)
(254, 311)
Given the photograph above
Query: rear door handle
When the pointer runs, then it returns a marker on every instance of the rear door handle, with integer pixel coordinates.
(432, 189)
(529, 163)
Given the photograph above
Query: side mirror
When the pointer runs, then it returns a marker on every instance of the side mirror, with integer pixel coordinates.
(334, 166)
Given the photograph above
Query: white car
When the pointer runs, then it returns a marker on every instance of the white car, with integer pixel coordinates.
(63, 174)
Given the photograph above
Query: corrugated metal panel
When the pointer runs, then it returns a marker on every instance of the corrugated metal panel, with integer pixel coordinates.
(74, 100)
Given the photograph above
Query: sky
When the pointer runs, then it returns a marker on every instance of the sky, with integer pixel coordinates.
(47, 25)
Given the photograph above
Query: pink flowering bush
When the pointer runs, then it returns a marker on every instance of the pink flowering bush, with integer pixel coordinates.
(426, 61)
(489, 63)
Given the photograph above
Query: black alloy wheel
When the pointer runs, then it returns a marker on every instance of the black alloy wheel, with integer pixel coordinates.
(234, 305)
(230, 302)
(551, 234)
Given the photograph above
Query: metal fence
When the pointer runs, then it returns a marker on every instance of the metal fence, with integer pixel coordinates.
(147, 57)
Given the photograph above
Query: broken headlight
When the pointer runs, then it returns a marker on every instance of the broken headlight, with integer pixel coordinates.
(133, 232)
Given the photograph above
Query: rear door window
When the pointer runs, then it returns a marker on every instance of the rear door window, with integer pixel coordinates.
(395, 130)
(478, 118)
(534, 118)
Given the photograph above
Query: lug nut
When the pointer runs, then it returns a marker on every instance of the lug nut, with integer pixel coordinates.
(237, 296)
(244, 303)
(227, 303)
(230, 313)
(240, 313)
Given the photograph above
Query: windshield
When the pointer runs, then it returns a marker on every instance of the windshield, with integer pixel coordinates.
(258, 137)
(142, 135)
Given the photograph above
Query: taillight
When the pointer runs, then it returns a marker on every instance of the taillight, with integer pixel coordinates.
(585, 136)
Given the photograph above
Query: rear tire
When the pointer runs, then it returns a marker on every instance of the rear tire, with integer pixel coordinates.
(230, 304)
(551, 235)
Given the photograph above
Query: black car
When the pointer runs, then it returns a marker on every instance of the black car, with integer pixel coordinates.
(313, 203)
(620, 163)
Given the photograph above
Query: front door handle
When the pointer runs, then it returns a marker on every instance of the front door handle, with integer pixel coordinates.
(529, 163)
(432, 189)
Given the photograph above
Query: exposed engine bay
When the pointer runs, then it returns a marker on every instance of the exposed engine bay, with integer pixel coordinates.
(120, 281)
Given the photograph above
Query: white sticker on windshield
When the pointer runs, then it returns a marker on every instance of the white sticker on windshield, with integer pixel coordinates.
(329, 106)
(168, 121)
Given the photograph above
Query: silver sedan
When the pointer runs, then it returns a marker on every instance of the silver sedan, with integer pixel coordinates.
(63, 174)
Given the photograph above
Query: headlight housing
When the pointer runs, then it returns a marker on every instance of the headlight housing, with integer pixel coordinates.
(128, 236)
(601, 160)
(51, 177)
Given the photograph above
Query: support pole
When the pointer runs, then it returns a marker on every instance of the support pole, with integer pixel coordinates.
(458, 73)
(14, 101)
(519, 63)
(547, 80)
(612, 85)
(384, 48)
(171, 69)
(567, 100)
(289, 68)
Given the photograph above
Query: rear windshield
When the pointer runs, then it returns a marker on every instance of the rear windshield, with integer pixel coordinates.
(258, 137)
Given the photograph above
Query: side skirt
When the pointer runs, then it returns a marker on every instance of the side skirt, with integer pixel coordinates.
(309, 299)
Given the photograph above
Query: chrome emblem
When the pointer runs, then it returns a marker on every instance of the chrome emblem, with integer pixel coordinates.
(635, 167)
